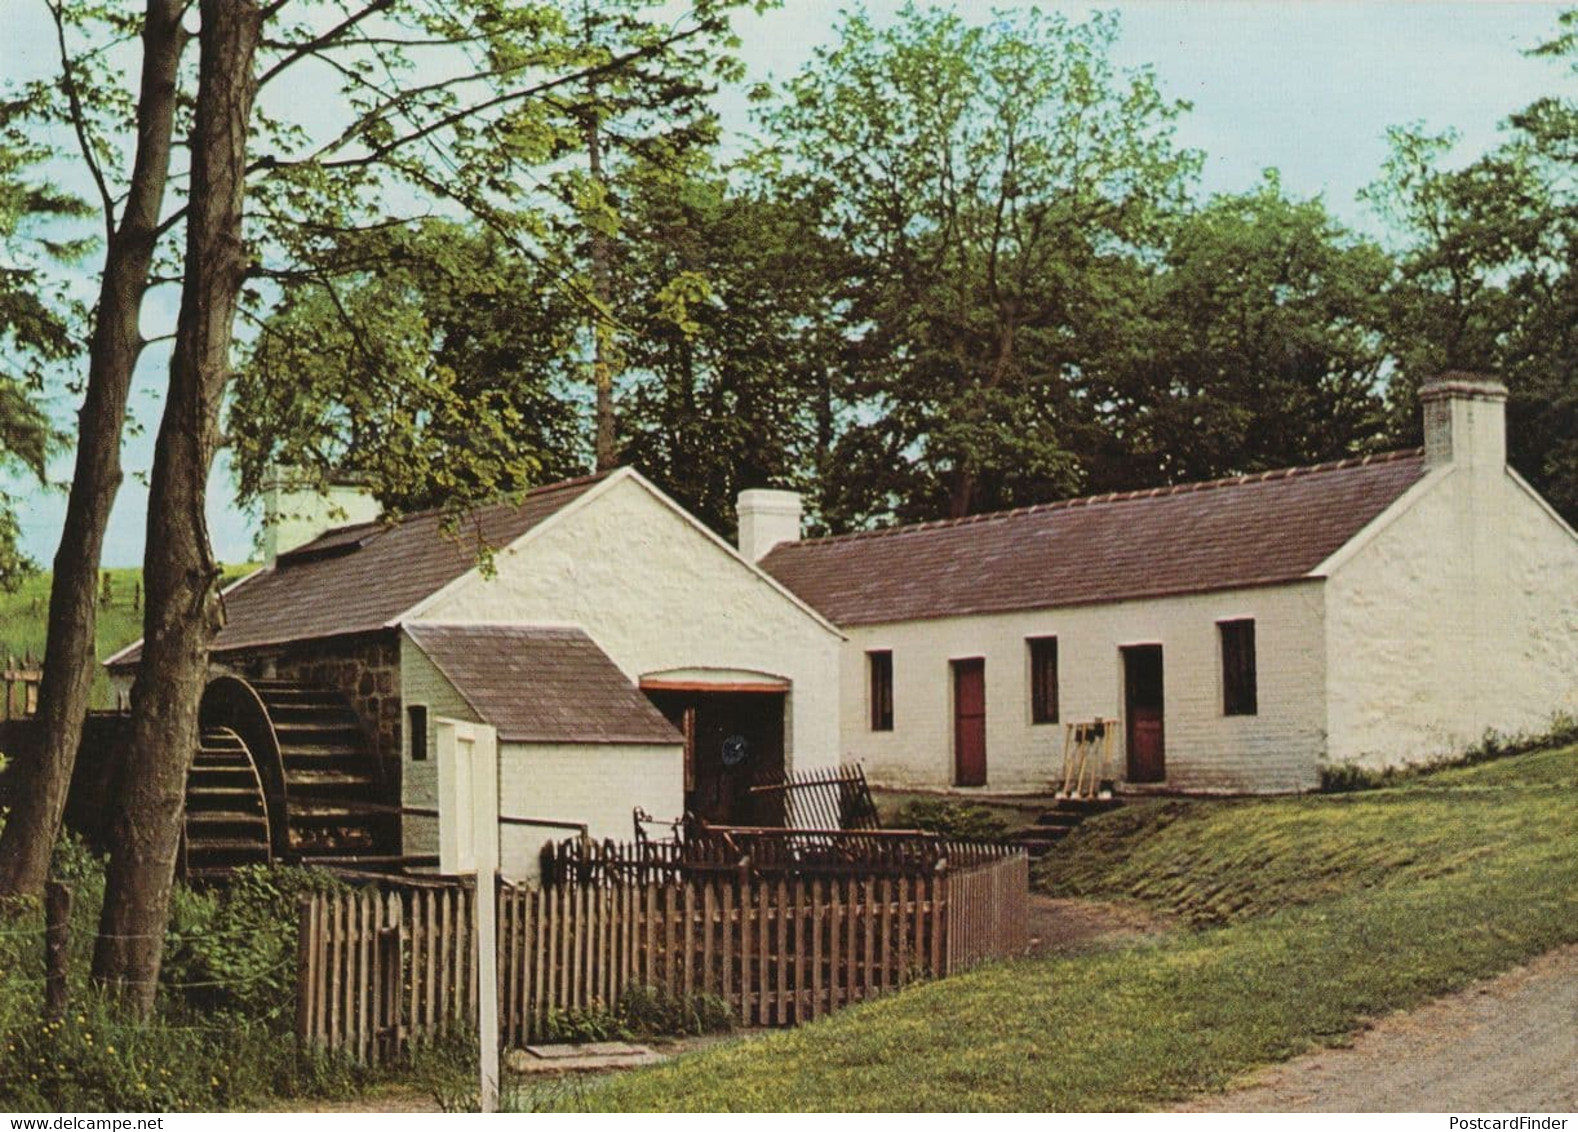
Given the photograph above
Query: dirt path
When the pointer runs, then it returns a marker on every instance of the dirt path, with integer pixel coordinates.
(1509, 1044)
(1069, 927)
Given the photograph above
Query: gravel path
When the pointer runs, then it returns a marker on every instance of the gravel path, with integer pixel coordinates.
(1509, 1044)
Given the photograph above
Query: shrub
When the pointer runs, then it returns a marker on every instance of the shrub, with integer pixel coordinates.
(641, 1012)
(962, 820)
(233, 948)
(651, 1012)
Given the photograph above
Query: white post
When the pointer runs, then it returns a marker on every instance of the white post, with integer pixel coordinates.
(468, 839)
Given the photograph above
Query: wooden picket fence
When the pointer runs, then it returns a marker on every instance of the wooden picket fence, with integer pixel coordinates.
(380, 969)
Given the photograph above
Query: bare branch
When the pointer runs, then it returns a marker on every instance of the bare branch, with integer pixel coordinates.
(317, 43)
(382, 151)
(79, 123)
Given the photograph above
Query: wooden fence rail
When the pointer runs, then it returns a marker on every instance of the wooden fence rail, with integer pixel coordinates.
(381, 969)
(20, 679)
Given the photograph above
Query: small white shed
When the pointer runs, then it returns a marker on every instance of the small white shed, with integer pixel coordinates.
(577, 741)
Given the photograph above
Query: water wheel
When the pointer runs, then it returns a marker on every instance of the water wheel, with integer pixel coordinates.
(309, 764)
(227, 819)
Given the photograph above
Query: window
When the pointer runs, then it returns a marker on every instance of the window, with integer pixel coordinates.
(416, 727)
(1043, 679)
(881, 664)
(1238, 667)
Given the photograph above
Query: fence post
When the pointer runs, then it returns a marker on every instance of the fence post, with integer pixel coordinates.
(57, 948)
(304, 966)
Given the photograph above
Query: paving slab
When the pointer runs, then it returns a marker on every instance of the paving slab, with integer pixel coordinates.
(581, 1057)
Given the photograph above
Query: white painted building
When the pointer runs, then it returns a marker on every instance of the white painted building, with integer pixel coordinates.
(1244, 632)
(626, 656)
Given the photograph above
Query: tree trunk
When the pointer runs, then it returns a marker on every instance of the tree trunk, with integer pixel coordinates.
(182, 612)
(606, 448)
(69, 657)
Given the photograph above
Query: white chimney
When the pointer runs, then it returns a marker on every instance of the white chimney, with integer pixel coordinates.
(767, 518)
(1465, 421)
(298, 508)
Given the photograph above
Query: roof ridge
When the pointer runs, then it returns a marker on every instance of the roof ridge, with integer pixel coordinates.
(387, 522)
(1117, 497)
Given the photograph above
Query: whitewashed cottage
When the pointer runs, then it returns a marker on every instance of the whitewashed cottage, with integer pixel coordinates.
(1244, 632)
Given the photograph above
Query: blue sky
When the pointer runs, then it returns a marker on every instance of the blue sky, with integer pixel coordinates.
(1308, 88)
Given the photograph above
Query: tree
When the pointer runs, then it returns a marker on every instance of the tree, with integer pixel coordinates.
(1487, 280)
(457, 142)
(182, 611)
(1256, 343)
(131, 230)
(652, 114)
(990, 180)
(442, 375)
(725, 298)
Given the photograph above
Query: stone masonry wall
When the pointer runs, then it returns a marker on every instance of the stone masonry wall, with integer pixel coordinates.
(365, 669)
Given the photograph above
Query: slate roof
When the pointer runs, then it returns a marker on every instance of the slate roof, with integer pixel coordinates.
(358, 578)
(1224, 534)
(541, 685)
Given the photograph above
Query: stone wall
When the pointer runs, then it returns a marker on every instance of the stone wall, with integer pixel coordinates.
(364, 668)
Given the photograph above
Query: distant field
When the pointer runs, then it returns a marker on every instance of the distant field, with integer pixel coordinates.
(24, 617)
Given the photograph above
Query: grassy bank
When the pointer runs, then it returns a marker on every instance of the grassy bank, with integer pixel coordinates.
(1306, 916)
(24, 617)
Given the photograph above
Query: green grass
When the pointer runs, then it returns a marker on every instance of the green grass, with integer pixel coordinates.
(1306, 916)
(24, 618)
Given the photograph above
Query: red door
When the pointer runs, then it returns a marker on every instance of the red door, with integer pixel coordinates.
(1145, 739)
(969, 722)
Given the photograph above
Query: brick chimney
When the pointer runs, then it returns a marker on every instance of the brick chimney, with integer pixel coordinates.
(767, 518)
(298, 508)
(1465, 421)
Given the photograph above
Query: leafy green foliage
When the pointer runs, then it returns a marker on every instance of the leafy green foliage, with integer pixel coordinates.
(221, 1037)
(1487, 280)
(233, 948)
(730, 379)
(641, 1012)
(461, 394)
(94, 1060)
(991, 182)
(36, 314)
(1256, 344)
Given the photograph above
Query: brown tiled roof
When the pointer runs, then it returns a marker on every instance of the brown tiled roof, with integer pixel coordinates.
(1245, 531)
(542, 685)
(358, 578)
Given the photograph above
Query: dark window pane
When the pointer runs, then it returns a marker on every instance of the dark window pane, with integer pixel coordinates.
(1239, 695)
(881, 664)
(416, 725)
(1043, 679)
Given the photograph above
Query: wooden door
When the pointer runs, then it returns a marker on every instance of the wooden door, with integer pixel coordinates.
(1144, 732)
(969, 722)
